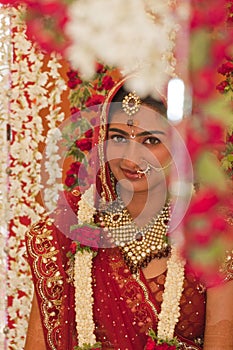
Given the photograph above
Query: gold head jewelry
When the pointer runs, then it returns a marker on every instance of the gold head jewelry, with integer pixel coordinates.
(131, 104)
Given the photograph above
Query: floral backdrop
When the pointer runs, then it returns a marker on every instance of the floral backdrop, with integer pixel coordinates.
(44, 82)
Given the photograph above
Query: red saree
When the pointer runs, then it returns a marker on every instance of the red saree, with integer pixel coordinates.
(124, 308)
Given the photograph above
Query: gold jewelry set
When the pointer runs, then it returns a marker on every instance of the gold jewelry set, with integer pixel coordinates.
(139, 245)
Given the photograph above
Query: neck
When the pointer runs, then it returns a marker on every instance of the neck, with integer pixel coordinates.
(143, 206)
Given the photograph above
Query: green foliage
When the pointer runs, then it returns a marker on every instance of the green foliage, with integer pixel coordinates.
(209, 171)
(199, 48)
(88, 346)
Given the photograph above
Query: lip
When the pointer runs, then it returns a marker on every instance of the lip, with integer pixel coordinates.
(131, 174)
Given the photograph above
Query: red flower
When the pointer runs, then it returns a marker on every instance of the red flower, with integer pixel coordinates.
(78, 169)
(226, 68)
(10, 2)
(230, 138)
(70, 180)
(208, 136)
(205, 15)
(74, 168)
(194, 142)
(222, 87)
(203, 83)
(87, 236)
(89, 133)
(203, 201)
(215, 132)
(74, 79)
(84, 144)
(150, 345)
(94, 100)
(165, 346)
(73, 247)
(100, 68)
(107, 83)
(45, 24)
(76, 173)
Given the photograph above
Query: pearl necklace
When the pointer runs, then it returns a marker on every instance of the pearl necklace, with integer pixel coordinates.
(139, 245)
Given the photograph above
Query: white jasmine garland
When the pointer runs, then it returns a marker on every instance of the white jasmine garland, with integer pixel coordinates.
(24, 170)
(170, 308)
(34, 87)
(5, 55)
(84, 298)
(54, 117)
(86, 207)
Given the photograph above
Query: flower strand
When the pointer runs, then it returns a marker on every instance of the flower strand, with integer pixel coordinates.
(170, 309)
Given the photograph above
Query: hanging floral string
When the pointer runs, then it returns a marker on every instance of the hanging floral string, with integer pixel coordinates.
(54, 117)
(84, 250)
(5, 61)
(31, 85)
(85, 99)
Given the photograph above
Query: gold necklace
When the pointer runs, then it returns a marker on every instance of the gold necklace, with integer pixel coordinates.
(139, 245)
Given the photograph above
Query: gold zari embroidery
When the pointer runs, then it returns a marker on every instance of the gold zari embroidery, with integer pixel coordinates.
(227, 266)
(49, 282)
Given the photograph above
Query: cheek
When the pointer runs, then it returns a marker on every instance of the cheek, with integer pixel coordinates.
(162, 154)
(114, 152)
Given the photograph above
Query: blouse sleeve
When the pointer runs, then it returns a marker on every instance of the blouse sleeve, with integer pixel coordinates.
(219, 317)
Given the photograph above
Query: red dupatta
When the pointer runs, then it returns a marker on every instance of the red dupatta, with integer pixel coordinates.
(123, 312)
(125, 308)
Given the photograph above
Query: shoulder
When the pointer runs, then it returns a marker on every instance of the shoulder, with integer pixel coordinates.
(52, 231)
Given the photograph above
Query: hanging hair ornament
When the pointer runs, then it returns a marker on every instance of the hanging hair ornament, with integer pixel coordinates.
(131, 103)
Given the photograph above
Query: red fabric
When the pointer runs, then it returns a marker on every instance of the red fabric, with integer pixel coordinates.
(122, 314)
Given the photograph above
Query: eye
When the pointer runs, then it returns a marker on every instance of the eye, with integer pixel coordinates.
(152, 141)
(118, 139)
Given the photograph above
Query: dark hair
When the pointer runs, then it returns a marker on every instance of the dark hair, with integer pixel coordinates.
(147, 101)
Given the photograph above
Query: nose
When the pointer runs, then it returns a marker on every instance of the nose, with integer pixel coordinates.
(133, 154)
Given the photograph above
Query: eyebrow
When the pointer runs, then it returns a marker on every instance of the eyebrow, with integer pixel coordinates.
(143, 133)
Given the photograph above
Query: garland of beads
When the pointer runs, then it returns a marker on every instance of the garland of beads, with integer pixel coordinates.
(170, 309)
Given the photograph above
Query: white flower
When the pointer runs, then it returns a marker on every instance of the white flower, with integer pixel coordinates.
(84, 298)
(86, 206)
(133, 35)
(31, 92)
(170, 309)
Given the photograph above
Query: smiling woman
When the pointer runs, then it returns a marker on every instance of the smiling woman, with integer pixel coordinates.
(137, 152)
(106, 272)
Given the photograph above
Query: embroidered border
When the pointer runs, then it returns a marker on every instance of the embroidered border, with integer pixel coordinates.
(227, 266)
(49, 285)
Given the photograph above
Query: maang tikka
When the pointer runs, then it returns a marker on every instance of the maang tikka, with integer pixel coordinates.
(131, 104)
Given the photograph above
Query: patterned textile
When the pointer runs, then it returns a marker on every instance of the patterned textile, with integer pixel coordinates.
(124, 308)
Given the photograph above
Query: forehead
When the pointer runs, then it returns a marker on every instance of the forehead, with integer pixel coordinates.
(146, 118)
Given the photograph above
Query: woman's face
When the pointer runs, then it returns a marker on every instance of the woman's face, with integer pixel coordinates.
(130, 149)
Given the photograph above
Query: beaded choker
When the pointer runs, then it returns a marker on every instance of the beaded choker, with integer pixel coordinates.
(139, 245)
